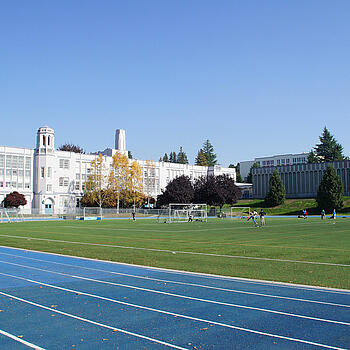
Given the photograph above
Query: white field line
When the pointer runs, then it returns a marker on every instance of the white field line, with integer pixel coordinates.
(178, 272)
(33, 346)
(157, 311)
(177, 251)
(209, 301)
(176, 282)
(92, 322)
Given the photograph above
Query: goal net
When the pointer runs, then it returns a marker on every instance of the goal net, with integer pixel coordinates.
(239, 212)
(187, 212)
(92, 213)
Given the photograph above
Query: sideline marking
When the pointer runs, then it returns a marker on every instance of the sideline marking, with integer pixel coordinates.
(33, 346)
(179, 252)
(175, 295)
(158, 311)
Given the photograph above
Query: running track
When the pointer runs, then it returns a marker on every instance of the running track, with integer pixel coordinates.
(51, 301)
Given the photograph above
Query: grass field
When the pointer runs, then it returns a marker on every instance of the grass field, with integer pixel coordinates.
(311, 251)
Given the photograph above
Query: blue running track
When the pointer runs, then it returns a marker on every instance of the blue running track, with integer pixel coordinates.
(50, 301)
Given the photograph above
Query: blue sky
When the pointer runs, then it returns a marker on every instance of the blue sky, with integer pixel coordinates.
(256, 78)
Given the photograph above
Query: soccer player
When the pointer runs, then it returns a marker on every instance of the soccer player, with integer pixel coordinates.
(253, 217)
(334, 215)
(262, 217)
(323, 214)
(133, 215)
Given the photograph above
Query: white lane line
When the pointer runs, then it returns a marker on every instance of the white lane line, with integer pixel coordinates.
(195, 284)
(92, 322)
(162, 312)
(33, 346)
(184, 273)
(178, 251)
(178, 296)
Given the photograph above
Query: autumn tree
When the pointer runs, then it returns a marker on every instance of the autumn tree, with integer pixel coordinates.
(330, 191)
(133, 193)
(97, 187)
(14, 200)
(118, 175)
(201, 159)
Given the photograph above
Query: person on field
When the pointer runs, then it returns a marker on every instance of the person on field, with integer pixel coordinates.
(253, 217)
(133, 215)
(323, 214)
(334, 215)
(304, 214)
(262, 217)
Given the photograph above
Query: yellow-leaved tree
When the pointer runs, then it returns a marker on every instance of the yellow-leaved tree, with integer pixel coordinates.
(97, 185)
(133, 193)
(118, 177)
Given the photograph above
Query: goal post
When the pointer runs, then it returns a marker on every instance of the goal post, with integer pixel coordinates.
(11, 215)
(187, 212)
(92, 213)
(239, 212)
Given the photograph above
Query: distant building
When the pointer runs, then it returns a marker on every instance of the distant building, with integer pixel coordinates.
(278, 160)
(300, 180)
(53, 181)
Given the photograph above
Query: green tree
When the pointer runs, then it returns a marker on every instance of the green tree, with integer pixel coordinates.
(165, 158)
(129, 155)
(277, 193)
(182, 157)
(328, 150)
(330, 191)
(208, 151)
(250, 175)
(238, 172)
(201, 159)
(69, 147)
(172, 157)
(312, 157)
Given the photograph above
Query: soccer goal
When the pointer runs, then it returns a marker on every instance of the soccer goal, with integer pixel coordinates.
(239, 212)
(187, 212)
(11, 215)
(92, 213)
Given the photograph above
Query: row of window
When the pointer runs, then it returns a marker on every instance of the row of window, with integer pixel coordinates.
(15, 162)
(285, 161)
(13, 184)
(16, 172)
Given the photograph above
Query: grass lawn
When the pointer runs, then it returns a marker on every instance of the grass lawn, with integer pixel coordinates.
(311, 251)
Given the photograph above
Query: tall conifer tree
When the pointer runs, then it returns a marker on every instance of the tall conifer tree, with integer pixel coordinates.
(277, 193)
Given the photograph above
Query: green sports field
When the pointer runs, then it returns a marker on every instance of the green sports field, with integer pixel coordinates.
(310, 251)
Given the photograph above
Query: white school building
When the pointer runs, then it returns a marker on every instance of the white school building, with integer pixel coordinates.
(53, 181)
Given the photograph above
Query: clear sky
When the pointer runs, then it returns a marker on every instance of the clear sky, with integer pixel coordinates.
(256, 78)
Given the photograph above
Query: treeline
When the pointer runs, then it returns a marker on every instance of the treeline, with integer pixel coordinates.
(212, 190)
(205, 156)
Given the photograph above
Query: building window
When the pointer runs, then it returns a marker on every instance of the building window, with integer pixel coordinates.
(1, 184)
(20, 185)
(77, 185)
(8, 172)
(49, 172)
(8, 184)
(64, 163)
(2, 161)
(77, 176)
(1, 171)
(28, 162)
(49, 188)
(63, 181)
(27, 185)
(42, 172)
(27, 173)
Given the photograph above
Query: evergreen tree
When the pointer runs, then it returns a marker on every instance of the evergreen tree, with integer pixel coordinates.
(165, 158)
(312, 157)
(208, 151)
(328, 150)
(201, 159)
(129, 155)
(69, 147)
(277, 193)
(172, 157)
(250, 175)
(182, 157)
(330, 191)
